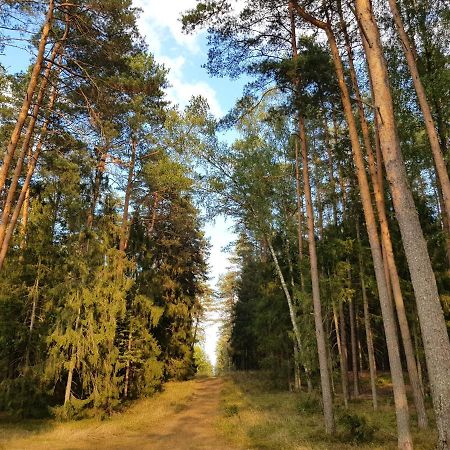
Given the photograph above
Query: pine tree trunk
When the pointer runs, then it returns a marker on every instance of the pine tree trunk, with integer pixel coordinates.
(23, 114)
(434, 331)
(354, 349)
(320, 335)
(342, 363)
(404, 435)
(27, 140)
(369, 338)
(100, 169)
(25, 208)
(128, 366)
(327, 396)
(344, 346)
(330, 170)
(299, 216)
(125, 225)
(391, 274)
(439, 162)
(26, 183)
(445, 221)
(152, 221)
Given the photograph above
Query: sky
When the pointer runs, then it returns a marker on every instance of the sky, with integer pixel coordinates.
(184, 56)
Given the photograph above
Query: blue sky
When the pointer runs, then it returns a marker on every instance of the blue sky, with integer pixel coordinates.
(184, 56)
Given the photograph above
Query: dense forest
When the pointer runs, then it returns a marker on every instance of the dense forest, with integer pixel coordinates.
(332, 166)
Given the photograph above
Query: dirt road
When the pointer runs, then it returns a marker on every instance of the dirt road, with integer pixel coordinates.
(191, 426)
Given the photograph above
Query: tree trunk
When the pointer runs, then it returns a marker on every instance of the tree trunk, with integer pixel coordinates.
(354, 349)
(299, 216)
(27, 139)
(23, 114)
(330, 169)
(72, 363)
(390, 267)
(320, 335)
(128, 366)
(30, 170)
(404, 435)
(327, 397)
(369, 338)
(125, 226)
(34, 294)
(434, 331)
(439, 162)
(342, 354)
(25, 208)
(101, 165)
(152, 221)
(297, 372)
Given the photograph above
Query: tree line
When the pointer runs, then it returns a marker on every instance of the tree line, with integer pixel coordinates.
(103, 257)
(339, 186)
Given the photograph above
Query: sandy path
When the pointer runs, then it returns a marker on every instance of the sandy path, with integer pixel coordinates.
(191, 427)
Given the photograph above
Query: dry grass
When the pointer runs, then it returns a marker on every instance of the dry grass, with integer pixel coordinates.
(141, 415)
(254, 417)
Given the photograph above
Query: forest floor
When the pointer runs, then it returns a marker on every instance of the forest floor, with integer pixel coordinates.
(239, 411)
(259, 414)
(183, 417)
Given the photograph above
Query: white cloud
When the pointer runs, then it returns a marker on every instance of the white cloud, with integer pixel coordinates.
(181, 90)
(158, 18)
(159, 23)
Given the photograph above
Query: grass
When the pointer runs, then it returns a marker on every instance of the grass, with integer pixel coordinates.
(144, 414)
(255, 416)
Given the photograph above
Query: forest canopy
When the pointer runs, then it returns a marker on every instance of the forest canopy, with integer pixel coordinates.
(332, 167)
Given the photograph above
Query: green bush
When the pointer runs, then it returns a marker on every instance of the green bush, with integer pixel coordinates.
(309, 404)
(231, 410)
(356, 428)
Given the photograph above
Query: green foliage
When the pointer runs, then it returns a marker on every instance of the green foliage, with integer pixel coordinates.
(202, 362)
(356, 428)
(231, 410)
(310, 403)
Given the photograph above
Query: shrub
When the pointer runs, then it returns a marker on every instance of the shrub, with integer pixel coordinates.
(310, 404)
(356, 428)
(231, 410)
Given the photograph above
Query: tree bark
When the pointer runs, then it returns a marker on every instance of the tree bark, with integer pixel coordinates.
(390, 267)
(320, 335)
(28, 136)
(299, 216)
(434, 331)
(291, 306)
(354, 349)
(125, 226)
(23, 114)
(26, 184)
(344, 362)
(327, 397)
(404, 435)
(369, 338)
(439, 161)
(72, 363)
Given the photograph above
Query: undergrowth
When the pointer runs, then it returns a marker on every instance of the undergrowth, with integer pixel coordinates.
(255, 415)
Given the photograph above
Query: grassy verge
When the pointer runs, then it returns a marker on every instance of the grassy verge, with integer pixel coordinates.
(143, 414)
(253, 416)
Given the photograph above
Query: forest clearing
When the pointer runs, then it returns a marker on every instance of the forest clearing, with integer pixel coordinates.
(257, 191)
